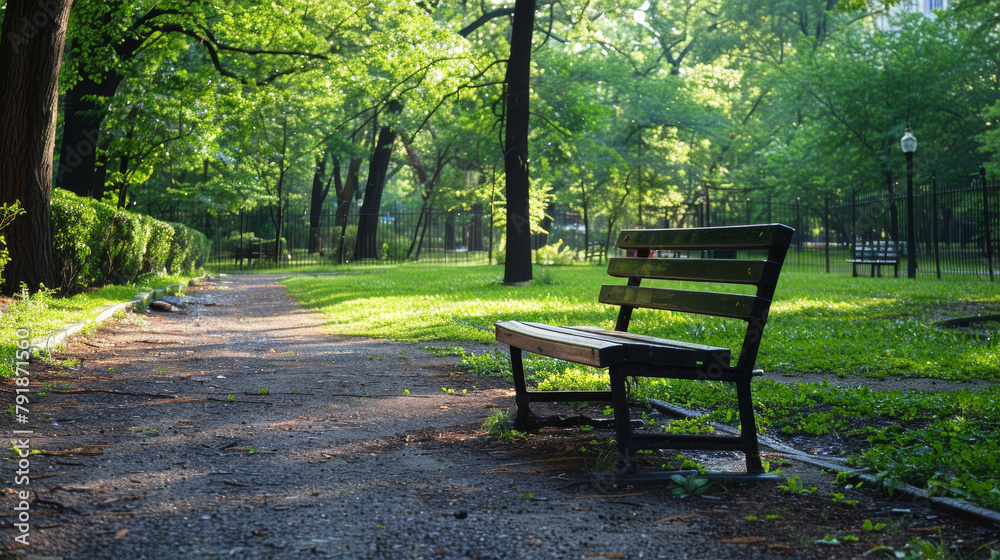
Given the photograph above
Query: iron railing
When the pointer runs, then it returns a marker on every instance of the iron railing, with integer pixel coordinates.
(957, 231)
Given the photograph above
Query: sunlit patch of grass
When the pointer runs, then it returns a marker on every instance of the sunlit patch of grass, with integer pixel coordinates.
(818, 323)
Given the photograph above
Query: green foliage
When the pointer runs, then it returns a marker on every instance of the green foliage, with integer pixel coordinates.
(500, 425)
(96, 244)
(555, 254)
(161, 238)
(691, 485)
(8, 211)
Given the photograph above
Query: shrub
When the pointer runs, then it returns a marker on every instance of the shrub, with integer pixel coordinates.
(74, 223)
(555, 254)
(157, 254)
(189, 251)
(96, 244)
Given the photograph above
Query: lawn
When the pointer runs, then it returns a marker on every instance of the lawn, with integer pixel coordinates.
(819, 323)
(830, 324)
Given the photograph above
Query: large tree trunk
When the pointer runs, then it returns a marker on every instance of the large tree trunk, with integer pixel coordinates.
(84, 109)
(517, 267)
(367, 242)
(31, 50)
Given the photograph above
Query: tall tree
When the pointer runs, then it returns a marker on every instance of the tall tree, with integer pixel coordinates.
(32, 41)
(517, 266)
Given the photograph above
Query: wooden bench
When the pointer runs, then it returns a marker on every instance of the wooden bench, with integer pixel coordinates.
(876, 254)
(249, 252)
(762, 251)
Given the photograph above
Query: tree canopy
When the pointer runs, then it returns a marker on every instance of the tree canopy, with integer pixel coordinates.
(635, 108)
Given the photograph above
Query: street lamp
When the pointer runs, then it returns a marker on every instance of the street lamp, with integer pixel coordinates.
(909, 145)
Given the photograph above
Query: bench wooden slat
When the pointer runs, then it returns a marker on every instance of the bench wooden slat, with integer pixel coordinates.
(555, 342)
(735, 237)
(736, 306)
(664, 351)
(700, 270)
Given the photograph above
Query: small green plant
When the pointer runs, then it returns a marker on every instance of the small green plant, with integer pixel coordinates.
(526, 496)
(151, 432)
(869, 526)
(441, 351)
(265, 391)
(691, 485)
(230, 398)
(499, 425)
(795, 486)
(586, 428)
(751, 518)
(447, 390)
(250, 451)
(406, 391)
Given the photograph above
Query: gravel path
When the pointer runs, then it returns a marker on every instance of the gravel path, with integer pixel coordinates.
(160, 442)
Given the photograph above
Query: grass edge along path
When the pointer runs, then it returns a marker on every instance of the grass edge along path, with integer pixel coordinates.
(47, 320)
(944, 443)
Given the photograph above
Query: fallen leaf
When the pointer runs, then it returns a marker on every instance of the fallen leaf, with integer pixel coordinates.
(683, 518)
(121, 533)
(783, 548)
(743, 540)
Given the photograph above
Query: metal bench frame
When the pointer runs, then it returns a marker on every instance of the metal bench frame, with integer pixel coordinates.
(628, 355)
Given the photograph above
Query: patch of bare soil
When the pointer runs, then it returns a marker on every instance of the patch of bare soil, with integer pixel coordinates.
(236, 428)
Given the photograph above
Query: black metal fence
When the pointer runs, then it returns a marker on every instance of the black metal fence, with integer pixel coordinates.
(956, 232)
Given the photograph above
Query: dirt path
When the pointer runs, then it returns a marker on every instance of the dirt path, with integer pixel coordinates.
(161, 443)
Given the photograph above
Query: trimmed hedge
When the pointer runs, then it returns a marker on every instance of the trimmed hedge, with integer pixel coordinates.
(97, 244)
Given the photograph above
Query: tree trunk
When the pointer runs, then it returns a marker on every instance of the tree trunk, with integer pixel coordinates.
(347, 194)
(476, 228)
(84, 107)
(31, 51)
(367, 242)
(319, 192)
(517, 266)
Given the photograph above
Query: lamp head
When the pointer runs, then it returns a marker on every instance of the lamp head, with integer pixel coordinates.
(908, 143)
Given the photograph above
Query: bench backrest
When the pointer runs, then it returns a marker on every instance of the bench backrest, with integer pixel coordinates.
(876, 250)
(729, 248)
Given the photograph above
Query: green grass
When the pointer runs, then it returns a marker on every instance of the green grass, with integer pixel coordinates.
(832, 324)
(44, 313)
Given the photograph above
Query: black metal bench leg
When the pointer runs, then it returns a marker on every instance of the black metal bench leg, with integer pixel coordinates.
(623, 427)
(748, 428)
(524, 418)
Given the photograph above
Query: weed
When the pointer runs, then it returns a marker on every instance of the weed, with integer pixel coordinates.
(795, 486)
(499, 425)
(230, 398)
(151, 432)
(441, 351)
(692, 485)
(526, 496)
(265, 391)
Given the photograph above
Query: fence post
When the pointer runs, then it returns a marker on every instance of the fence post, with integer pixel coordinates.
(936, 236)
(241, 239)
(986, 221)
(826, 229)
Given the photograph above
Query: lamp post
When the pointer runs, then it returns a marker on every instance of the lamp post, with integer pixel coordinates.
(909, 145)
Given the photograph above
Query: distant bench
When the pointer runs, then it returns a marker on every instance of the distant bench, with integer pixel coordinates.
(249, 252)
(876, 254)
(665, 255)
